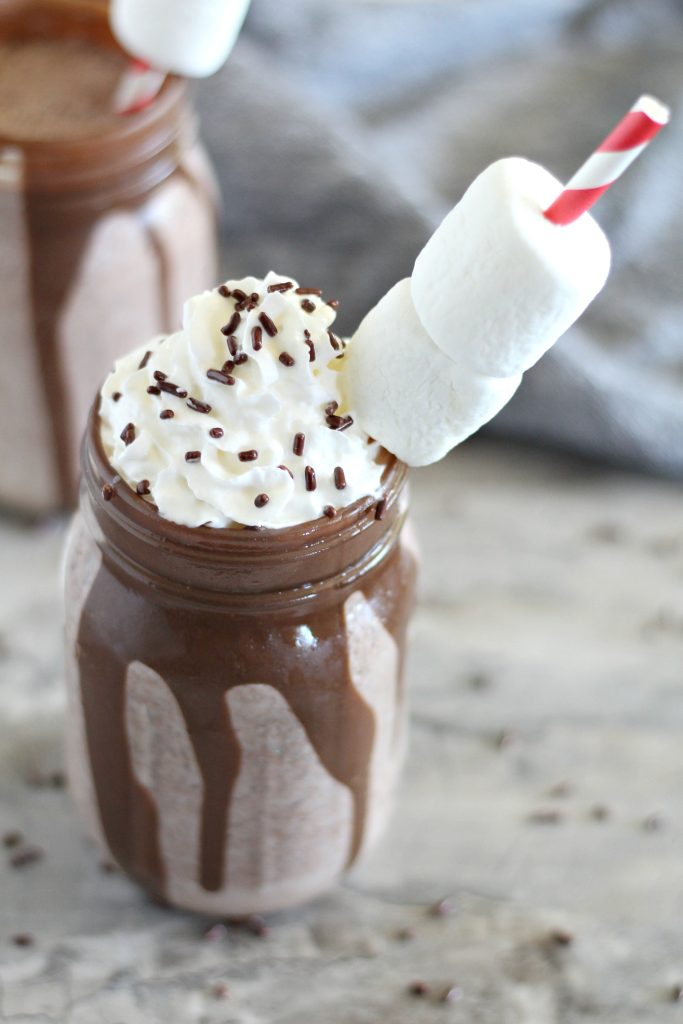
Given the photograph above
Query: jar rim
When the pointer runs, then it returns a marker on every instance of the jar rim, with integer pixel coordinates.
(252, 561)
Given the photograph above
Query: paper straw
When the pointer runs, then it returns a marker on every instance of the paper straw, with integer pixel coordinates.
(609, 161)
(138, 88)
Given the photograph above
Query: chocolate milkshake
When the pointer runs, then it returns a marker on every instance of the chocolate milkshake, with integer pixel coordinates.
(238, 592)
(107, 225)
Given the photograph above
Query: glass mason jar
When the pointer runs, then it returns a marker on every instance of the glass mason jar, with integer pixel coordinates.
(102, 238)
(237, 714)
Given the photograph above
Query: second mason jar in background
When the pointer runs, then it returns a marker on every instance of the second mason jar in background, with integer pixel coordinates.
(104, 232)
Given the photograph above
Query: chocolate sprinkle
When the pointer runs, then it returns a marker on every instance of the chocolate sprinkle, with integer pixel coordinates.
(166, 414)
(545, 817)
(287, 470)
(172, 389)
(224, 291)
(282, 286)
(311, 483)
(311, 350)
(153, 390)
(255, 923)
(241, 358)
(418, 988)
(145, 359)
(442, 908)
(194, 403)
(142, 488)
(23, 939)
(116, 396)
(260, 500)
(380, 509)
(560, 937)
(108, 492)
(221, 376)
(329, 511)
(267, 324)
(334, 342)
(216, 432)
(331, 408)
(339, 422)
(233, 323)
(249, 456)
(309, 291)
(158, 375)
(339, 478)
(238, 294)
(308, 306)
(299, 442)
(12, 839)
(233, 346)
(192, 456)
(26, 856)
(128, 434)
(334, 303)
(286, 359)
(257, 338)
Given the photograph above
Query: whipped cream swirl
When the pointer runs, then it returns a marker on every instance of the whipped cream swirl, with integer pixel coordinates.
(239, 418)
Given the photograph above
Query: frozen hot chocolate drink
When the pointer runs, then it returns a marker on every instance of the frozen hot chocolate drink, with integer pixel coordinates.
(238, 596)
(238, 586)
(107, 225)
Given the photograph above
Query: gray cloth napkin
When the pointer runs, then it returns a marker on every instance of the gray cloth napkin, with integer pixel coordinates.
(343, 130)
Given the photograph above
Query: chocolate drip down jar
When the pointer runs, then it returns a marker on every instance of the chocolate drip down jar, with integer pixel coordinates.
(107, 224)
(237, 715)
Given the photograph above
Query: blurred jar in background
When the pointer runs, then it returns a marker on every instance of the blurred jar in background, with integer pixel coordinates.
(107, 224)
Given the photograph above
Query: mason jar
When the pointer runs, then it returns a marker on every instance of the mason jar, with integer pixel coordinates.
(236, 701)
(102, 238)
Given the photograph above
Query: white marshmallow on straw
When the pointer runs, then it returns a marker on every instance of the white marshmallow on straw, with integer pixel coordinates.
(407, 393)
(497, 284)
(511, 267)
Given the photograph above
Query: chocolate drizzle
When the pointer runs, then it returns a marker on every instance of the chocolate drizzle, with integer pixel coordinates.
(53, 268)
(209, 625)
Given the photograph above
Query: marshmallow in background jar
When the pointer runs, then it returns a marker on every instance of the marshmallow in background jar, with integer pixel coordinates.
(187, 37)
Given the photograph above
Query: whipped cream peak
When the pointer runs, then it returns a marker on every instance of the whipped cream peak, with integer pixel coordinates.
(239, 417)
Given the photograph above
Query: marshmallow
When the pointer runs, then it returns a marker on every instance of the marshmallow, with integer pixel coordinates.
(406, 393)
(187, 37)
(498, 283)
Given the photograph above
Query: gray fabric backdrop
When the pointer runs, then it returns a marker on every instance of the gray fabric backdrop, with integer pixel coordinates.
(343, 130)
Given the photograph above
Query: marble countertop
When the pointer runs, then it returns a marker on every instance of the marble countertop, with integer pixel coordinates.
(533, 870)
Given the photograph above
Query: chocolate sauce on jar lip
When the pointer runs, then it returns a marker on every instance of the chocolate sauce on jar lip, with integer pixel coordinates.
(234, 566)
(215, 609)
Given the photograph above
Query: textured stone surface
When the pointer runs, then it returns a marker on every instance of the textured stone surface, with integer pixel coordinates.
(543, 790)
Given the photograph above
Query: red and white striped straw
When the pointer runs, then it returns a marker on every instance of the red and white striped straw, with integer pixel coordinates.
(609, 161)
(138, 87)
